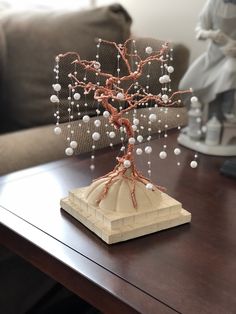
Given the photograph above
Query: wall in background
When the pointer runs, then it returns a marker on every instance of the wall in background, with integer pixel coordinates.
(172, 20)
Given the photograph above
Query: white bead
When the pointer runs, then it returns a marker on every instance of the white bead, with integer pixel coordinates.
(136, 121)
(165, 97)
(149, 186)
(97, 123)
(112, 134)
(127, 163)
(193, 164)
(69, 151)
(152, 117)
(177, 151)
(56, 87)
(139, 151)
(161, 80)
(194, 99)
(73, 144)
(92, 167)
(198, 120)
(148, 149)
(166, 78)
(134, 127)
(163, 155)
(57, 130)
(140, 138)
(131, 140)
(204, 129)
(120, 96)
(97, 65)
(77, 96)
(96, 136)
(54, 98)
(170, 69)
(149, 50)
(86, 119)
(106, 114)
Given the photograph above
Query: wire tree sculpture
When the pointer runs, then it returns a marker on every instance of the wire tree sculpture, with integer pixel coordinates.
(118, 95)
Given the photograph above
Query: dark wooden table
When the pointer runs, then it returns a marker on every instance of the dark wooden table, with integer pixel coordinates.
(187, 269)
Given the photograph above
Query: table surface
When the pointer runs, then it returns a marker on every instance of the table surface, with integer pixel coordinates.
(186, 269)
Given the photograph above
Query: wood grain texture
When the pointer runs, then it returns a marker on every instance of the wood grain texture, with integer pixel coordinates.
(187, 269)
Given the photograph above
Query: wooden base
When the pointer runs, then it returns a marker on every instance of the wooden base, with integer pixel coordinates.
(113, 227)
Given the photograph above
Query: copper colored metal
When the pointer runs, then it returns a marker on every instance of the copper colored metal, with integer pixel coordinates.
(104, 94)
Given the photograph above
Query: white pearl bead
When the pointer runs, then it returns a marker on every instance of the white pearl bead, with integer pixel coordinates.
(134, 127)
(198, 120)
(120, 96)
(149, 50)
(127, 163)
(69, 151)
(57, 87)
(177, 151)
(73, 144)
(193, 164)
(166, 78)
(148, 149)
(204, 129)
(194, 99)
(57, 130)
(131, 140)
(97, 123)
(165, 97)
(77, 96)
(170, 69)
(163, 155)
(92, 167)
(161, 80)
(112, 134)
(96, 136)
(152, 117)
(149, 186)
(86, 119)
(54, 98)
(140, 138)
(136, 121)
(106, 114)
(139, 151)
(97, 65)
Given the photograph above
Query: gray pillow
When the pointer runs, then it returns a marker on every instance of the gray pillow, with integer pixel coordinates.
(33, 39)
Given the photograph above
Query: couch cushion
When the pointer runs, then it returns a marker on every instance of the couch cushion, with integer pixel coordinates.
(33, 39)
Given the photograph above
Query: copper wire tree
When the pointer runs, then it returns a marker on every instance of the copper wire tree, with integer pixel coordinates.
(121, 89)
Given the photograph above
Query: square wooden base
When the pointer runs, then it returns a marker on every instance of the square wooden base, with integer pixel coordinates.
(113, 227)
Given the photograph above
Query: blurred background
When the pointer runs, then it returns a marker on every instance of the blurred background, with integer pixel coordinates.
(168, 20)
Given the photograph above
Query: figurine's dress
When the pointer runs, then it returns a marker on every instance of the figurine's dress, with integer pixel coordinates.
(213, 72)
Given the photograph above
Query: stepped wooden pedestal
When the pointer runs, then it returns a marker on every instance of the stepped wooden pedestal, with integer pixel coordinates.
(112, 226)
